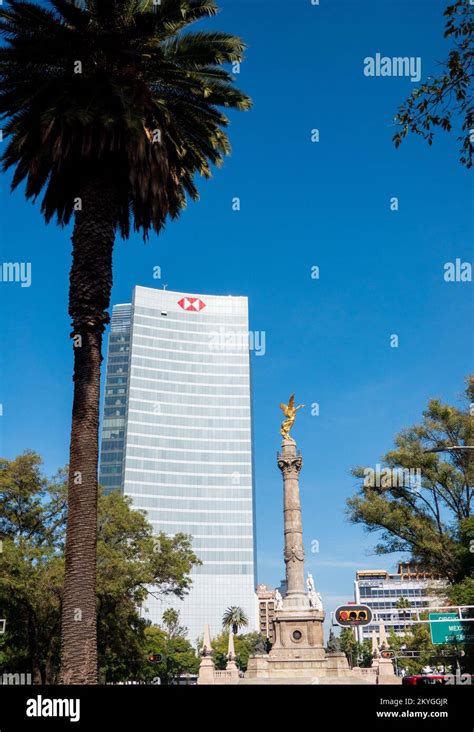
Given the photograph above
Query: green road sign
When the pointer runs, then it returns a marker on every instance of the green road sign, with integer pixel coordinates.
(452, 631)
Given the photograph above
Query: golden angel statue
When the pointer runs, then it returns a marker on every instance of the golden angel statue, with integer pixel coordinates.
(289, 410)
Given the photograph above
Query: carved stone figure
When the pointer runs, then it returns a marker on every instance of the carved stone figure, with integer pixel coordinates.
(315, 599)
(278, 600)
(334, 644)
(261, 645)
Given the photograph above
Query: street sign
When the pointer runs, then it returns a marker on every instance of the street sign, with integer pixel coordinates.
(453, 630)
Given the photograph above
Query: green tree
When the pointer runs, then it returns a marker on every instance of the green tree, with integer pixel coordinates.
(178, 657)
(430, 519)
(462, 593)
(445, 101)
(349, 645)
(418, 638)
(403, 604)
(171, 622)
(364, 655)
(464, 550)
(235, 618)
(129, 558)
(245, 645)
(32, 513)
(358, 654)
(111, 111)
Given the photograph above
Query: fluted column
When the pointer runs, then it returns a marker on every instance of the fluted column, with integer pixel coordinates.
(290, 464)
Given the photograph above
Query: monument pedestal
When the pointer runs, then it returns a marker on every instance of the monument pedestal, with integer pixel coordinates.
(386, 672)
(299, 644)
(298, 634)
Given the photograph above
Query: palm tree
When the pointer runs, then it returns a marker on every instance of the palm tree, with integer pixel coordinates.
(401, 604)
(235, 618)
(110, 113)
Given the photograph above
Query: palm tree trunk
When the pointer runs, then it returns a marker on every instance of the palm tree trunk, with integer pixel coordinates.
(89, 298)
(33, 648)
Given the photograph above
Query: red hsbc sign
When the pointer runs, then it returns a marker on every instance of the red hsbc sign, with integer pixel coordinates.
(193, 304)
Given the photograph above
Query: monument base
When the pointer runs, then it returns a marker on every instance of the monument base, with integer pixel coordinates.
(332, 669)
(298, 651)
(386, 672)
(321, 668)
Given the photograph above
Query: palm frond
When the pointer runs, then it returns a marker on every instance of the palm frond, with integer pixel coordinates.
(143, 108)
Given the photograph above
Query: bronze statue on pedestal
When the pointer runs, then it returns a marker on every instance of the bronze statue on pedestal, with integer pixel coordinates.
(289, 410)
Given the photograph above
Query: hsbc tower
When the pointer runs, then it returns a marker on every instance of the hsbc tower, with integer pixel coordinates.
(177, 439)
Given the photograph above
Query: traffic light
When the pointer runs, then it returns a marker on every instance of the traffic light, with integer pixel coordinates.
(352, 615)
(155, 658)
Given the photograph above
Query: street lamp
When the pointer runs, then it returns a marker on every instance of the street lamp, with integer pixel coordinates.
(453, 448)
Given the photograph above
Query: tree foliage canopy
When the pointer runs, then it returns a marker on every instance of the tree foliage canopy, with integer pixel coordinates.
(129, 558)
(177, 655)
(446, 101)
(357, 654)
(246, 645)
(115, 89)
(432, 520)
(235, 618)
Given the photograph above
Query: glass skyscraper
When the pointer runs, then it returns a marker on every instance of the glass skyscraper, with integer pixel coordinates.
(176, 438)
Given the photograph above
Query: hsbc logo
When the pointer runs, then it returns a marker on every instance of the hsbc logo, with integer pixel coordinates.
(191, 304)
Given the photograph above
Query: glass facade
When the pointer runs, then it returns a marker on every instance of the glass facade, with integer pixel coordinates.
(115, 400)
(382, 595)
(177, 439)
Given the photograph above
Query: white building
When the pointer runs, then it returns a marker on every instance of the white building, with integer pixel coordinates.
(381, 591)
(177, 439)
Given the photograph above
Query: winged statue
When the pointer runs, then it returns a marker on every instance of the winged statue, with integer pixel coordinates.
(289, 410)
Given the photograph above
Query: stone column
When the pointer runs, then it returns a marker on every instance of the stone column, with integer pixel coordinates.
(298, 650)
(290, 463)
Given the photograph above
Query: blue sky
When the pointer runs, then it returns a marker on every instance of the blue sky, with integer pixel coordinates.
(303, 204)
